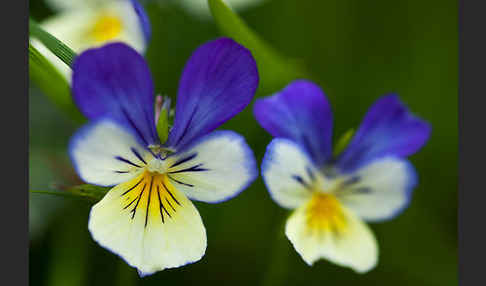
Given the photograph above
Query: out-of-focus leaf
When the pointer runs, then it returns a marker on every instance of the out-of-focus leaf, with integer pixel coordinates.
(69, 256)
(275, 70)
(57, 47)
(52, 84)
(278, 263)
(88, 192)
(343, 142)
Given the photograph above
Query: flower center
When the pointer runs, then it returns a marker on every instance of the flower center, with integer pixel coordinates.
(152, 196)
(324, 212)
(157, 166)
(106, 27)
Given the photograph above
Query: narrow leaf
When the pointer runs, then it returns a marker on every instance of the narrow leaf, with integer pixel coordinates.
(88, 192)
(48, 79)
(54, 193)
(58, 48)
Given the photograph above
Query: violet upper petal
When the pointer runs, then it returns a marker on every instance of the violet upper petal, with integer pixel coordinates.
(115, 81)
(218, 81)
(300, 112)
(388, 129)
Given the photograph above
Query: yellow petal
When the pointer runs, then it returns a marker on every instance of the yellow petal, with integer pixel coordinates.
(149, 223)
(323, 228)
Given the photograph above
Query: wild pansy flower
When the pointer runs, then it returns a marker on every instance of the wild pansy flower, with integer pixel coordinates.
(371, 180)
(83, 24)
(147, 217)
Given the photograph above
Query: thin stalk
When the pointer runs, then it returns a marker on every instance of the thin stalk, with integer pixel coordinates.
(279, 262)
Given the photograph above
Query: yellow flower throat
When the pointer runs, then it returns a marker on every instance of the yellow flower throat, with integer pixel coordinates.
(106, 27)
(152, 195)
(324, 213)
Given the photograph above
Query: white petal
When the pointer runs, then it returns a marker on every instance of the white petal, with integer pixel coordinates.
(100, 152)
(72, 4)
(288, 173)
(200, 8)
(217, 168)
(383, 189)
(73, 27)
(152, 226)
(342, 238)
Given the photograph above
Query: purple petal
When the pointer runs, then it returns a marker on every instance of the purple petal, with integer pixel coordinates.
(218, 81)
(115, 80)
(144, 20)
(387, 129)
(301, 113)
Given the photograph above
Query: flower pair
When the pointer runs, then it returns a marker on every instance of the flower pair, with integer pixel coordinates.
(147, 217)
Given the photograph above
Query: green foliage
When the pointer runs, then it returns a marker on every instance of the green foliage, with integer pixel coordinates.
(163, 125)
(52, 84)
(275, 70)
(87, 192)
(58, 48)
(343, 142)
(90, 192)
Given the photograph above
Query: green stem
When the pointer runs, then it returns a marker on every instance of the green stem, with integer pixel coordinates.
(62, 51)
(69, 252)
(279, 261)
(56, 193)
(87, 192)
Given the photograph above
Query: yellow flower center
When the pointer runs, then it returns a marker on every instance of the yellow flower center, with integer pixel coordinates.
(106, 27)
(152, 194)
(324, 213)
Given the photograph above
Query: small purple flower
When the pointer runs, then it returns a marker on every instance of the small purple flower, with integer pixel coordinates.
(370, 180)
(147, 217)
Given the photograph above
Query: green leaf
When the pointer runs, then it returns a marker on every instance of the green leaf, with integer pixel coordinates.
(162, 106)
(88, 192)
(58, 48)
(61, 268)
(163, 125)
(275, 70)
(54, 193)
(343, 142)
(48, 79)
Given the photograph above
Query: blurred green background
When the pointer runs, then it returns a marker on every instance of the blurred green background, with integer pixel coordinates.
(356, 51)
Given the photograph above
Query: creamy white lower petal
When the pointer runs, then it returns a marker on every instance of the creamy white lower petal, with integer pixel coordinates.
(288, 173)
(104, 153)
(92, 26)
(382, 189)
(217, 168)
(322, 228)
(149, 223)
